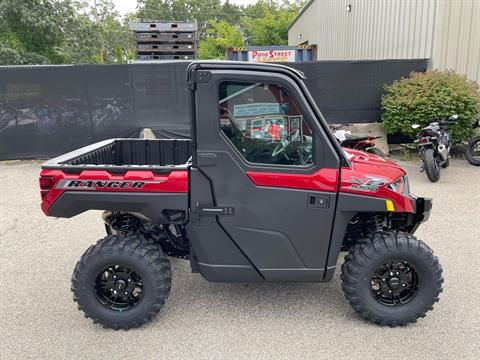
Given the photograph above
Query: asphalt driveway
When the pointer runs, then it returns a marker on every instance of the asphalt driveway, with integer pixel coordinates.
(202, 320)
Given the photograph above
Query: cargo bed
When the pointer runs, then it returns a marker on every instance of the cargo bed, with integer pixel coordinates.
(119, 155)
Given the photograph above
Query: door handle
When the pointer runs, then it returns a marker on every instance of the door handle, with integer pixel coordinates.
(318, 201)
(223, 210)
(200, 210)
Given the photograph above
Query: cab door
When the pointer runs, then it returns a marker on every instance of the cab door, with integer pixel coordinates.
(272, 173)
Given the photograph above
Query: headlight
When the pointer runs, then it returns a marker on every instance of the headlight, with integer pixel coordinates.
(397, 186)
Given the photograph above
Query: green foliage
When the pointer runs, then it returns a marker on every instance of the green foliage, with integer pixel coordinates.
(431, 95)
(72, 31)
(33, 29)
(61, 31)
(266, 22)
(220, 36)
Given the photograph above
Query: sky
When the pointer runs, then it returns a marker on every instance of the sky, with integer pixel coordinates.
(126, 6)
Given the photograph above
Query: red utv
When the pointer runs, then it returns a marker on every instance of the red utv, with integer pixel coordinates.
(248, 206)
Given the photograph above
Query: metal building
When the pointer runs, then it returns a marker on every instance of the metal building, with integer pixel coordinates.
(445, 31)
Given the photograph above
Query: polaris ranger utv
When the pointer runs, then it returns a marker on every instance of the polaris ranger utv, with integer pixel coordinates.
(261, 192)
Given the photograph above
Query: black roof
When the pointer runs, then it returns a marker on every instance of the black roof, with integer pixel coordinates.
(245, 65)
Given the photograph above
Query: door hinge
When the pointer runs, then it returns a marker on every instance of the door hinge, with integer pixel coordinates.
(202, 76)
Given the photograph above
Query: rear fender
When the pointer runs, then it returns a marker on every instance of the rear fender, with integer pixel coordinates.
(158, 197)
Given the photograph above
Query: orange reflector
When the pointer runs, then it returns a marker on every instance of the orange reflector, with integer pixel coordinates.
(390, 206)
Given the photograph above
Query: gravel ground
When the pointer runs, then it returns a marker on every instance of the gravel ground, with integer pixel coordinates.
(202, 320)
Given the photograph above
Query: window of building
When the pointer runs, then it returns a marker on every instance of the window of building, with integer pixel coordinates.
(264, 124)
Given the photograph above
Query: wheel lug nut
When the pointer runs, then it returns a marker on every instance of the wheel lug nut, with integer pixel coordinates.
(111, 289)
(404, 285)
(383, 280)
(390, 291)
(114, 276)
(391, 273)
(115, 292)
(397, 273)
(126, 293)
(129, 280)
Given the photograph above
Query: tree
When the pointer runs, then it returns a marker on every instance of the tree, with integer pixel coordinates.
(266, 22)
(220, 36)
(32, 30)
(72, 31)
(62, 31)
(117, 43)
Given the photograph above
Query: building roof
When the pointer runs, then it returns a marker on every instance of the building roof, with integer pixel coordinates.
(300, 13)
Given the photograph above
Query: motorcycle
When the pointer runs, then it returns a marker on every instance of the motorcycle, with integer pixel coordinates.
(473, 148)
(434, 145)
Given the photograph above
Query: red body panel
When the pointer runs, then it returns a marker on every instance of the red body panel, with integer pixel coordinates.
(322, 180)
(365, 167)
(172, 182)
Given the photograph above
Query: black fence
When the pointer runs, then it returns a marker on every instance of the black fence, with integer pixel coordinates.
(48, 110)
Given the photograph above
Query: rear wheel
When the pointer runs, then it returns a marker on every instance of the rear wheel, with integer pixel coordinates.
(122, 281)
(431, 165)
(391, 278)
(473, 151)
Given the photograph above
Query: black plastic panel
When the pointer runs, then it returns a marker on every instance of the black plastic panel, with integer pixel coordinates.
(118, 153)
(150, 205)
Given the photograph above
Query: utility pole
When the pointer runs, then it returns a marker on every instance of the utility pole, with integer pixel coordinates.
(97, 21)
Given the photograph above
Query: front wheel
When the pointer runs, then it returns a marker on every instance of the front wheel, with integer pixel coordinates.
(391, 278)
(122, 281)
(431, 165)
(473, 151)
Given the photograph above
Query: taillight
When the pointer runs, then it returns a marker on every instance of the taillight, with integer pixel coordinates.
(424, 140)
(46, 183)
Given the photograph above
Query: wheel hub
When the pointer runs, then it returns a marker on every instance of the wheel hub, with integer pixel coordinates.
(118, 288)
(394, 283)
(120, 285)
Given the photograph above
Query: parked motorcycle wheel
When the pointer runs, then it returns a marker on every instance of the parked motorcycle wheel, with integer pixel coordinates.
(473, 151)
(431, 165)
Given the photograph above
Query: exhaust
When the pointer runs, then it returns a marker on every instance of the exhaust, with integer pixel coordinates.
(442, 150)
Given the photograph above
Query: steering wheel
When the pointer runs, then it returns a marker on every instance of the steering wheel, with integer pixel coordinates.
(283, 144)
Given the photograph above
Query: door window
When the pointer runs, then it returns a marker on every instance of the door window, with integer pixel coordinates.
(264, 124)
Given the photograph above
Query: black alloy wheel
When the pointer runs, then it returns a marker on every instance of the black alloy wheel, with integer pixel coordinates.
(394, 283)
(391, 278)
(122, 281)
(118, 288)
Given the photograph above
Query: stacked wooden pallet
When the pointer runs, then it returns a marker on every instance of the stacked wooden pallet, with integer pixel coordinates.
(165, 40)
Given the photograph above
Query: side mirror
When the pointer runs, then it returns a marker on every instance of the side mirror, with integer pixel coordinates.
(415, 126)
